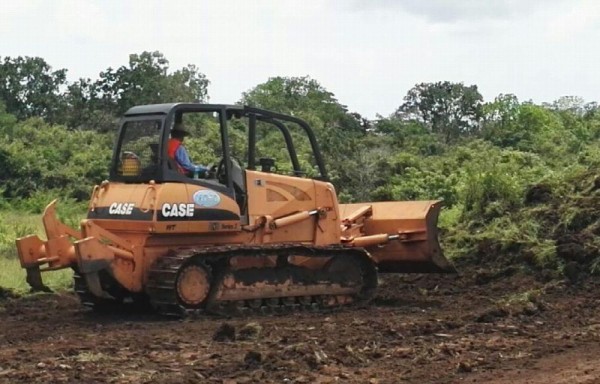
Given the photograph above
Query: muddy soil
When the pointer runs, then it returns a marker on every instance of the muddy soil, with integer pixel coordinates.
(483, 327)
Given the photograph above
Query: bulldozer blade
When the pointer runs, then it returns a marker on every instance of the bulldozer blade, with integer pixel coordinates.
(411, 226)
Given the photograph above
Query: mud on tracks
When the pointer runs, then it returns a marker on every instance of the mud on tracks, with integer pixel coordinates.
(487, 326)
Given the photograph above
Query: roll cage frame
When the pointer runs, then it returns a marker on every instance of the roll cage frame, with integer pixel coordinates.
(168, 114)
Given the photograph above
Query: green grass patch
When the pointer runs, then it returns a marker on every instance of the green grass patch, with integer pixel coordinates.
(12, 277)
(15, 224)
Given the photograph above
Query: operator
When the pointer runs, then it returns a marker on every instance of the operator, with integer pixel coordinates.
(177, 152)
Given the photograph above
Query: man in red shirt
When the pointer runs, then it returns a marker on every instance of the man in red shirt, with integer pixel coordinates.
(179, 154)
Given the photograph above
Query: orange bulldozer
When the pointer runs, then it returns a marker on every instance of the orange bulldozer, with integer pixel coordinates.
(239, 239)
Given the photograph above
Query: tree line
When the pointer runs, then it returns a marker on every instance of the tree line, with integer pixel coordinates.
(31, 88)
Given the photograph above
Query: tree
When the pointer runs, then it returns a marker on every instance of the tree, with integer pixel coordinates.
(87, 109)
(305, 97)
(7, 121)
(500, 119)
(145, 80)
(450, 109)
(29, 87)
(574, 104)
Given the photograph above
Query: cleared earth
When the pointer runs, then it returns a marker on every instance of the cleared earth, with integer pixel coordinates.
(482, 327)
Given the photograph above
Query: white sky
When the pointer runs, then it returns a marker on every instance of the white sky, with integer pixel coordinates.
(369, 53)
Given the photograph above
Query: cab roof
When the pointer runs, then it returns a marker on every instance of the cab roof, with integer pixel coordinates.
(163, 109)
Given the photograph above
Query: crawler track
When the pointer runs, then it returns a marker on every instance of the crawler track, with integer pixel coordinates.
(122, 301)
(358, 285)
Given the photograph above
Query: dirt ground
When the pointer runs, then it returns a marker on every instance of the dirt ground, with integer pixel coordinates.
(481, 327)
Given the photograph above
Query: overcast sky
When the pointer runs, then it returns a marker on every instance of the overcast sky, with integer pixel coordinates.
(369, 53)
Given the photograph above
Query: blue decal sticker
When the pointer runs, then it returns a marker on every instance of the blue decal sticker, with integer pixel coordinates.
(206, 198)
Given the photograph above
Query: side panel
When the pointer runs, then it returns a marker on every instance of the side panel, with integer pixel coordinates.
(328, 229)
(163, 208)
(275, 195)
(188, 208)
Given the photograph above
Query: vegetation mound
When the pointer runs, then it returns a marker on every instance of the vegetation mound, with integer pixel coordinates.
(555, 230)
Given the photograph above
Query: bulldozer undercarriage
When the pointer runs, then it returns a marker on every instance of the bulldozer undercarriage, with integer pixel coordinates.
(203, 281)
(196, 282)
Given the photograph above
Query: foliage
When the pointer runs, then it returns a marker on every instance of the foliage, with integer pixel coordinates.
(451, 109)
(43, 158)
(305, 98)
(146, 81)
(29, 87)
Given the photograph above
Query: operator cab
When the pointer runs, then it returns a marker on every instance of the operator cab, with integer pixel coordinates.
(226, 138)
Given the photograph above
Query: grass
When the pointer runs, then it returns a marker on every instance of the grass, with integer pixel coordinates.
(15, 224)
(12, 277)
(519, 298)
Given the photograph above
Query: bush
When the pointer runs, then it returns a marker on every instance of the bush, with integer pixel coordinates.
(40, 158)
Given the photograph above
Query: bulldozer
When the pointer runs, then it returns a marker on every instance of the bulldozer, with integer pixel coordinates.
(243, 238)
